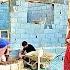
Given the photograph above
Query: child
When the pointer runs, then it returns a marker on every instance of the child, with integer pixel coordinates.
(26, 49)
(3, 47)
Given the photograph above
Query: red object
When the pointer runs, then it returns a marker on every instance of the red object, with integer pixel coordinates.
(67, 54)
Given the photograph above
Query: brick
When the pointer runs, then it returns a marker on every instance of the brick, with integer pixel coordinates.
(13, 20)
(18, 3)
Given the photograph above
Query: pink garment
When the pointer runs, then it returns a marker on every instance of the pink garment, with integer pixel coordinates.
(2, 50)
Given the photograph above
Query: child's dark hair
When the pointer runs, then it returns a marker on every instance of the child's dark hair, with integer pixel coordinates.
(24, 43)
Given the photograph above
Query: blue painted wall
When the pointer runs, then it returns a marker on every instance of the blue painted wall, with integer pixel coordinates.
(4, 16)
(38, 11)
(40, 35)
